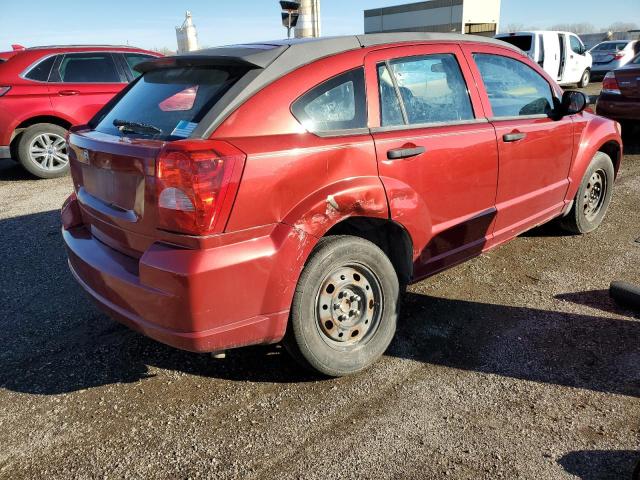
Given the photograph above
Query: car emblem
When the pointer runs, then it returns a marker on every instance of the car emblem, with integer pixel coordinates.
(85, 155)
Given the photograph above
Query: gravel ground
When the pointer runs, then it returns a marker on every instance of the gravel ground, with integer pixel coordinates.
(513, 365)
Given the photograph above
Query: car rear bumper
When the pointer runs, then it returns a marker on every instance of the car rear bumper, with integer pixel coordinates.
(230, 296)
(5, 151)
(618, 107)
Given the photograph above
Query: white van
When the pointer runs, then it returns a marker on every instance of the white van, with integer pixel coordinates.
(561, 54)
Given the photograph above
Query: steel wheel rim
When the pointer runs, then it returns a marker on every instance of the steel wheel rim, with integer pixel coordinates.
(49, 151)
(595, 194)
(349, 306)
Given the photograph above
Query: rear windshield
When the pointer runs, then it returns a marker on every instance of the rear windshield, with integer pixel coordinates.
(169, 103)
(523, 42)
(610, 47)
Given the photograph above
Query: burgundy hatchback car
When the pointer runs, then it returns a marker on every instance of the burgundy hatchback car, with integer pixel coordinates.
(620, 96)
(291, 189)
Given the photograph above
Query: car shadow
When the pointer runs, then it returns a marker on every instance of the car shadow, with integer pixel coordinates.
(55, 341)
(602, 464)
(12, 171)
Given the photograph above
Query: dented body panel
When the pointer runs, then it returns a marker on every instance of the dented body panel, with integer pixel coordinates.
(467, 192)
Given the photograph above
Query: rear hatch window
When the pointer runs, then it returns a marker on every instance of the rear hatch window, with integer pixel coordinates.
(168, 104)
(523, 42)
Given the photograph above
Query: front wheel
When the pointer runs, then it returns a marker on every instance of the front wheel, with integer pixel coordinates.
(345, 307)
(594, 195)
(585, 79)
(42, 150)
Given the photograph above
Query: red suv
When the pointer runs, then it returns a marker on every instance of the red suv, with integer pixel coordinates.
(45, 90)
(290, 190)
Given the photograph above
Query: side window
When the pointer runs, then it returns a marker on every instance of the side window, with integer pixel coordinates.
(428, 89)
(337, 104)
(514, 88)
(42, 70)
(134, 59)
(88, 68)
(576, 45)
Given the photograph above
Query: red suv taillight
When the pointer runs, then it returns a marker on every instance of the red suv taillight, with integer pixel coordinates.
(4, 90)
(196, 182)
(610, 84)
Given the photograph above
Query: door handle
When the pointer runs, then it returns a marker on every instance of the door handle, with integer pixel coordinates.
(400, 153)
(514, 137)
(68, 93)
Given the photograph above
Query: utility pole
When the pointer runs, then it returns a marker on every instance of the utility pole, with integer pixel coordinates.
(290, 15)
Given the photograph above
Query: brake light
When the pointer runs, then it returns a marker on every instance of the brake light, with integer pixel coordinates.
(618, 56)
(4, 90)
(610, 84)
(195, 183)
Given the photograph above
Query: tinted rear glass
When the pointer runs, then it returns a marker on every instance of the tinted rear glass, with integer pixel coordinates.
(610, 47)
(42, 70)
(173, 100)
(88, 68)
(523, 42)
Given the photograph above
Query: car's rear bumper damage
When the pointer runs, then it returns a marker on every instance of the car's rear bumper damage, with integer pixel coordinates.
(198, 300)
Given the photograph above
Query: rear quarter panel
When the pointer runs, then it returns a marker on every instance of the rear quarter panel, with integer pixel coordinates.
(290, 173)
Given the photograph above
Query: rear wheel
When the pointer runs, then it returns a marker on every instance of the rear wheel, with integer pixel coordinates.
(42, 150)
(585, 79)
(594, 195)
(345, 307)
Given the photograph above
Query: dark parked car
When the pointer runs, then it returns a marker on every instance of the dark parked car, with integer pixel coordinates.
(45, 90)
(620, 96)
(289, 190)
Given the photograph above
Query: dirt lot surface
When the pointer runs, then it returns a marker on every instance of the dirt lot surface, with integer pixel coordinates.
(513, 365)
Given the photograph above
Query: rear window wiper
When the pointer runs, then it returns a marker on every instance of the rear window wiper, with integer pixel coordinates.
(136, 127)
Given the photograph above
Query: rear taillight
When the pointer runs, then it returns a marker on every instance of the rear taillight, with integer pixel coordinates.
(610, 84)
(4, 90)
(196, 181)
(618, 56)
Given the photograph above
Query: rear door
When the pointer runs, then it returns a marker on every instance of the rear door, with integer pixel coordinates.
(550, 45)
(82, 83)
(436, 152)
(535, 151)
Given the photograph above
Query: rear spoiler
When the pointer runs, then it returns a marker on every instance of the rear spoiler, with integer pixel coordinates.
(248, 56)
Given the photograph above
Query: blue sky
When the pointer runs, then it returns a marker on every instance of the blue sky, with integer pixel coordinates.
(150, 24)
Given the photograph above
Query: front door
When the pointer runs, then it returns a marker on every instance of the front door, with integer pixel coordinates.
(535, 150)
(437, 153)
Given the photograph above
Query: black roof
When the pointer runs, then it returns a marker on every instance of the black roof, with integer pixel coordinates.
(268, 61)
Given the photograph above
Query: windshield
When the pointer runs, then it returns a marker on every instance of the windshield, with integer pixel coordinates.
(523, 42)
(610, 47)
(168, 104)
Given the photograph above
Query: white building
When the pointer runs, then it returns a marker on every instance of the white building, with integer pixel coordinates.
(309, 21)
(187, 35)
(478, 17)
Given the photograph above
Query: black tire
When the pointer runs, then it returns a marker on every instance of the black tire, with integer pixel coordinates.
(584, 217)
(585, 79)
(341, 267)
(27, 139)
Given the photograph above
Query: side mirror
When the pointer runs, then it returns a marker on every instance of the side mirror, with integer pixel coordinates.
(573, 102)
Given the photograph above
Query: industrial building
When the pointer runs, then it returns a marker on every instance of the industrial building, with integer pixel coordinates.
(478, 17)
(187, 35)
(309, 22)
